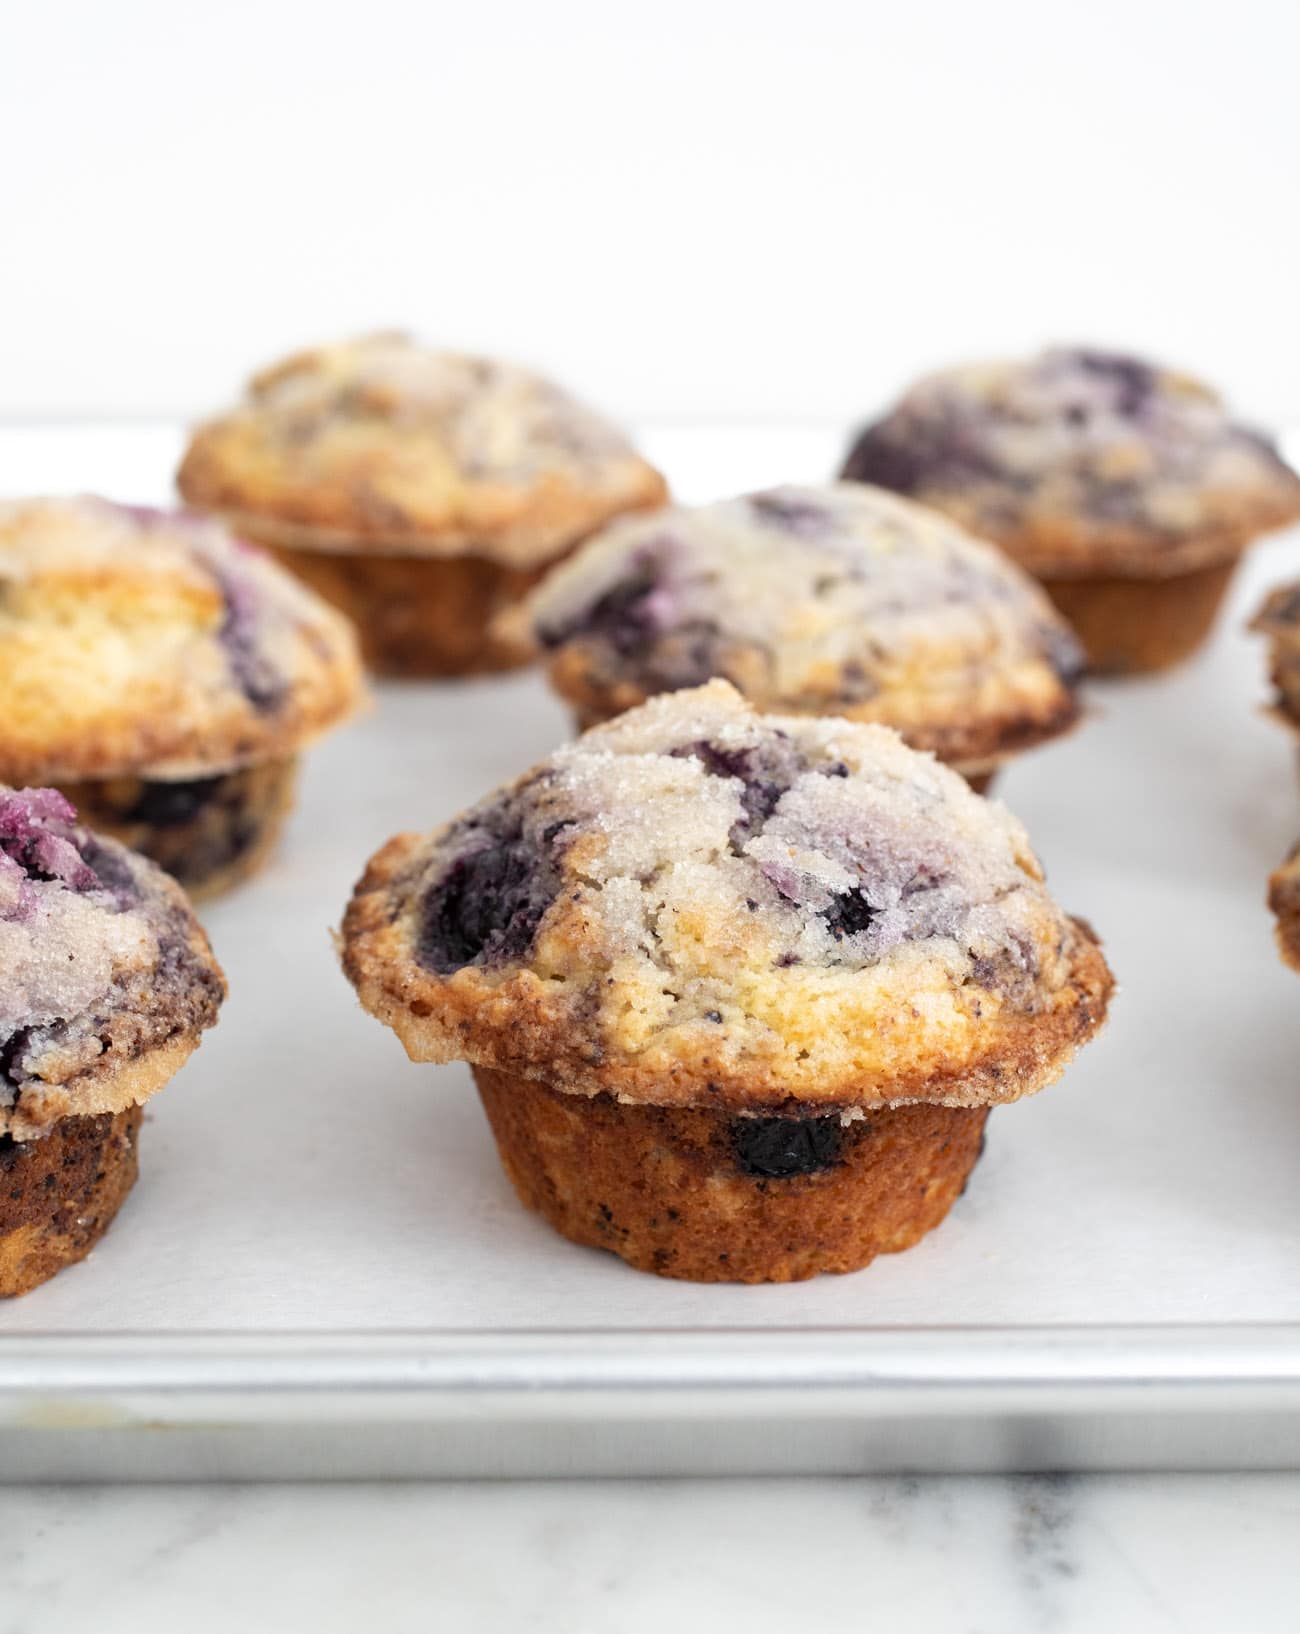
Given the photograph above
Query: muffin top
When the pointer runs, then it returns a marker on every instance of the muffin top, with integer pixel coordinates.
(106, 978)
(841, 599)
(1284, 900)
(1082, 461)
(383, 443)
(139, 642)
(698, 905)
(1279, 620)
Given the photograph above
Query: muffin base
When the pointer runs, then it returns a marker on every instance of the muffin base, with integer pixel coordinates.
(419, 615)
(981, 779)
(709, 1197)
(209, 833)
(59, 1194)
(1136, 626)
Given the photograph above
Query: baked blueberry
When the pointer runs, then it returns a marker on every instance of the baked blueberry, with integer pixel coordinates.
(780, 1148)
(487, 904)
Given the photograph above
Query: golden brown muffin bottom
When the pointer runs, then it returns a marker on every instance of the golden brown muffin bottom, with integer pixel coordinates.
(209, 833)
(419, 615)
(59, 1194)
(1136, 626)
(704, 1196)
(981, 778)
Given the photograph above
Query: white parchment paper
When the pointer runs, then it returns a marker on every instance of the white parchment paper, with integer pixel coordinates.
(300, 1173)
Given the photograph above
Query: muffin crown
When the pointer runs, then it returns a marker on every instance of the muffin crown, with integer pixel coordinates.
(1279, 617)
(383, 442)
(841, 599)
(1279, 621)
(106, 978)
(141, 642)
(1082, 458)
(696, 904)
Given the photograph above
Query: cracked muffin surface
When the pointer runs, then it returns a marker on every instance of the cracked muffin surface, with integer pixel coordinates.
(1081, 461)
(839, 599)
(386, 444)
(144, 642)
(696, 905)
(106, 978)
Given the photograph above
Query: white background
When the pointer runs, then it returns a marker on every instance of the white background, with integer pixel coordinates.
(739, 209)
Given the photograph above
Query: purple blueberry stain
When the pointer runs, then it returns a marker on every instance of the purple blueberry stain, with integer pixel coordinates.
(766, 771)
(1010, 970)
(1062, 650)
(1132, 383)
(906, 459)
(882, 459)
(925, 879)
(140, 516)
(239, 635)
(38, 844)
(112, 868)
(239, 632)
(42, 848)
(631, 613)
(792, 511)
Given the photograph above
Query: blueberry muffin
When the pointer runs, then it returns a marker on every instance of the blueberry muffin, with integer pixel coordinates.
(1125, 487)
(165, 676)
(841, 600)
(420, 491)
(738, 990)
(1284, 900)
(1279, 621)
(106, 983)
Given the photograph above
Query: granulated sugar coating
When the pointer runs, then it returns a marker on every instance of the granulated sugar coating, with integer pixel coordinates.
(836, 599)
(101, 963)
(696, 904)
(60, 945)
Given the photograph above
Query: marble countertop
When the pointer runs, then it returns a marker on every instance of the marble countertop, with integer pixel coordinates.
(1016, 1555)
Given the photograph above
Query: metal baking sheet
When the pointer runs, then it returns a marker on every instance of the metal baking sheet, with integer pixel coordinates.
(323, 1271)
